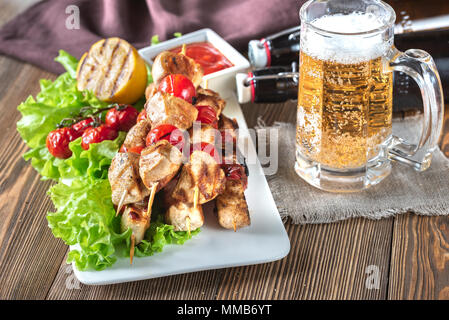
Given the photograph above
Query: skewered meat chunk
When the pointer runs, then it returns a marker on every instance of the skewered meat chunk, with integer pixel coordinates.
(184, 217)
(232, 209)
(225, 123)
(125, 180)
(202, 171)
(227, 128)
(163, 108)
(137, 134)
(159, 163)
(149, 90)
(135, 217)
(207, 97)
(174, 63)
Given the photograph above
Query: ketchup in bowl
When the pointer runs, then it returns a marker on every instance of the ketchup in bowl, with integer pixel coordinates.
(207, 56)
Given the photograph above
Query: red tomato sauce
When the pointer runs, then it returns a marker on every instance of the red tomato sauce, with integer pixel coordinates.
(209, 57)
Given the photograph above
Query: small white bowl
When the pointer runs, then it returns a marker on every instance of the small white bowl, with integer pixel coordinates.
(223, 80)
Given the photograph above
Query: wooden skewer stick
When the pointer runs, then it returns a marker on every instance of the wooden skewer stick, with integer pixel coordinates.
(206, 84)
(183, 49)
(151, 199)
(235, 224)
(188, 225)
(120, 204)
(131, 251)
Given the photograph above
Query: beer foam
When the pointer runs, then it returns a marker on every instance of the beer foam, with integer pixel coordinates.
(345, 48)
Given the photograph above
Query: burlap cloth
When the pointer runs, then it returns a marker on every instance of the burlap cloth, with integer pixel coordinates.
(405, 190)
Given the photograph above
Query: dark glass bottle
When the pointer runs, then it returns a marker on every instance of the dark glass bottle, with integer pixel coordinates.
(280, 49)
(412, 16)
(273, 84)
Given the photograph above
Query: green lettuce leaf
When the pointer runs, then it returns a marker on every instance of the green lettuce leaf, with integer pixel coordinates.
(57, 100)
(160, 234)
(85, 216)
(69, 62)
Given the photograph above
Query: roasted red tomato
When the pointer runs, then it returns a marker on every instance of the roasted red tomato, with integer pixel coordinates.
(98, 134)
(179, 86)
(166, 132)
(159, 132)
(58, 142)
(122, 119)
(82, 126)
(207, 115)
(135, 150)
(208, 148)
(142, 115)
(235, 172)
(176, 138)
(123, 149)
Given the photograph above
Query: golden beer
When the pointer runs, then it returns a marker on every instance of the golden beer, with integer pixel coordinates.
(344, 140)
(344, 111)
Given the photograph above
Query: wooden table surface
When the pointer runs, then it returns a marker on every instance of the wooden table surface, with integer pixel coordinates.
(328, 261)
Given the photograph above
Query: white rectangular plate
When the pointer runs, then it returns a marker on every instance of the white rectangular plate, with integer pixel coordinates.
(214, 247)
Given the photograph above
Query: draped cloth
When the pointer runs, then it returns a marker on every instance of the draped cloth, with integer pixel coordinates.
(37, 34)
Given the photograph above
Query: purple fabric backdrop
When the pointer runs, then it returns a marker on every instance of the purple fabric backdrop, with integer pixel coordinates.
(37, 34)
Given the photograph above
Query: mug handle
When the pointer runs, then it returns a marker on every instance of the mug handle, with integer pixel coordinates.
(419, 65)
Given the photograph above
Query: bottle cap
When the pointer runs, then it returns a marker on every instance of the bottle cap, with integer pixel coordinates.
(259, 53)
(244, 92)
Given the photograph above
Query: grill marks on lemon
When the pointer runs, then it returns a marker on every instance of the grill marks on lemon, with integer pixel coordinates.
(113, 71)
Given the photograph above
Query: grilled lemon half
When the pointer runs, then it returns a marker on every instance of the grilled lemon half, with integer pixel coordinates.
(113, 70)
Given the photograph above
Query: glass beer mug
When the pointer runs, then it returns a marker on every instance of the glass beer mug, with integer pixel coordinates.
(344, 140)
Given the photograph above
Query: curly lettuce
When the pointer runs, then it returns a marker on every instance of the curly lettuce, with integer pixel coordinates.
(85, 215)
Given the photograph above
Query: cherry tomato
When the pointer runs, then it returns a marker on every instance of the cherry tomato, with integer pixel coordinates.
(176, 138)
(207, 115)
(58, 142)
(166, 132)
(98, 134)
(235, 172)
(123, 149)
(179, 86)
(208, 148)
(82, 126)
(142, 115)
(159, 132)
(122, 120)
(136, 150)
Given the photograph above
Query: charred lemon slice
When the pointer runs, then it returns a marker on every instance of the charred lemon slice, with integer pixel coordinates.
(113, 71)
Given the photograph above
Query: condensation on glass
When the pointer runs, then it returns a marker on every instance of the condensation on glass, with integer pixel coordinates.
(344, 138)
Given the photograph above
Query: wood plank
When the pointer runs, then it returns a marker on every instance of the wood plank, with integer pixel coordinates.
(191, 286)
(420, 258)
(24, 235)
(421, 250)
(268, 113)
(326, 261)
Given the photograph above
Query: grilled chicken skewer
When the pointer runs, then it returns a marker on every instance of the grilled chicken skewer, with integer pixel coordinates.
(201, 180)
(232, 209)
(136, 218)
(126, 185)
(173, 63)
(156, 167)
(159, 162)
